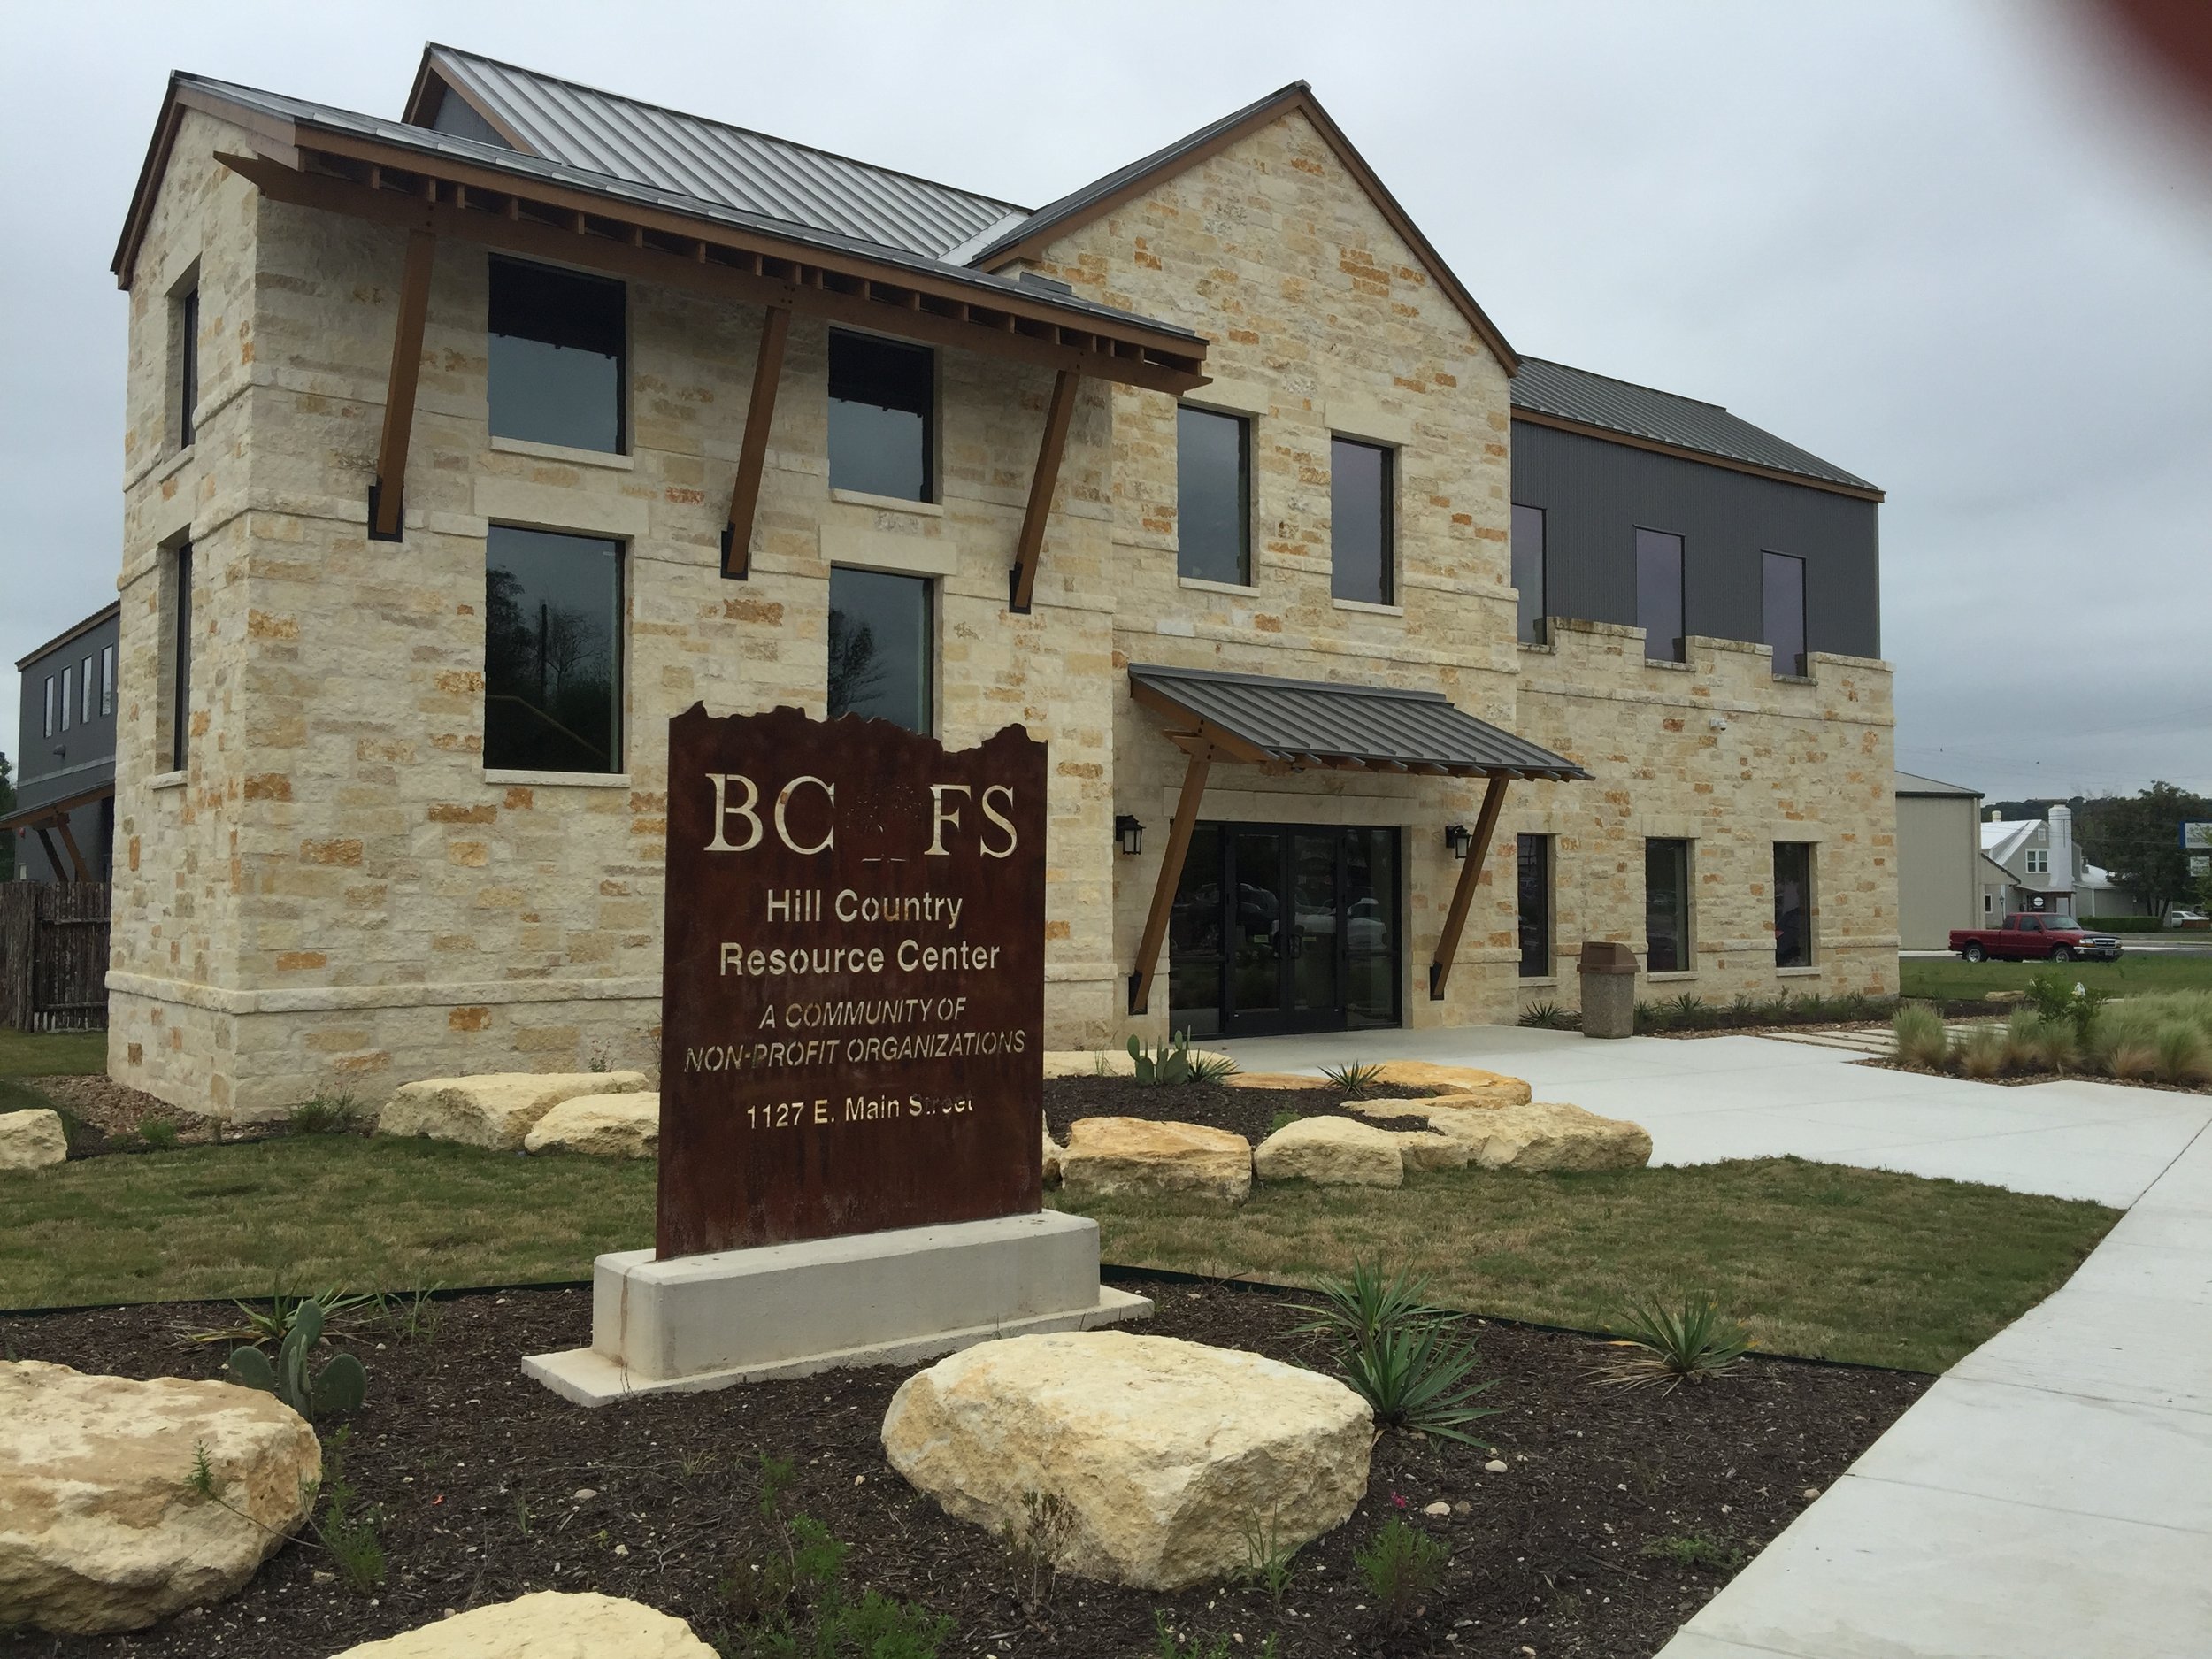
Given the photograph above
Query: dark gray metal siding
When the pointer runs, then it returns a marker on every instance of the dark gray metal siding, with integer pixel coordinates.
(1596, 495)
(86, 760)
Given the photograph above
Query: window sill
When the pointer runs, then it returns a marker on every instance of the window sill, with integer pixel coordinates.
(559, 780)
(1367, 606)
(1812, 973)
(563, 452)
(1542, 648)
(174, 464)
(1549, 981)
(1199, 584)
(1672, 974)
(1669, 665)
(168, 780)
(888, 504)
(1796, 680)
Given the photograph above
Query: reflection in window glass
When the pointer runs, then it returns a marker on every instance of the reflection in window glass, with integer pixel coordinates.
(1370, 927)
(1359, 518)
(107, 679)
(1783, 582)
(1212, 496)
(880, 647)
(85, 689)
(1659, 595)
(881, 398)
(1535, 905)
(1528, 571)
(1194, 939)
(556, 352)
(1667, 906)
(1793, 904)
(52, 716)
(188, 314)
(68, 679)
(181, 659)
(552, 652)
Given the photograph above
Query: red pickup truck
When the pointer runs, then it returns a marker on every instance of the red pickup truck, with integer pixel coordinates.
(2057, 938)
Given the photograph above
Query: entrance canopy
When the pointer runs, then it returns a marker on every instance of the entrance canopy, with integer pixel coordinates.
(1292, 725)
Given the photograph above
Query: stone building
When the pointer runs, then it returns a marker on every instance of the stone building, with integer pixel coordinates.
(465, 450)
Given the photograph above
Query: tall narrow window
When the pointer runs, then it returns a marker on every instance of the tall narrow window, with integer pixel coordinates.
(1535, 907)
(881, 655)
(188, 315)
(1783, 590)
(107, 681)
(53, 707)
(1667, 906)
(1659, 595)
(556, 350)
(882, 415)
(552, 652)
(1529, 571)
(1361, 557)
(1213, 496)
(1793, 904)
(68, 684)
(181, 659)
(85, 692)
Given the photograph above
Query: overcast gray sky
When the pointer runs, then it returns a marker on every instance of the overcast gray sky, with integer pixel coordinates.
(1951, 247)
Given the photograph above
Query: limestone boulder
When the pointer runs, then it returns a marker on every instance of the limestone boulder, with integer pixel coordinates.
(600, 1126)
(1053, 1153)
(1282, 1082)
(32, 1139)
(1470, 1086)
(1541, 1135)
(545, 1625)
(1114, 1158)
(497, 1110)
(100, 1529)
(1331, 1152)
(1163, 1451)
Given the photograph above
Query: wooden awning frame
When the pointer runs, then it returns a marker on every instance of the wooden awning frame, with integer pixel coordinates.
(50, 816)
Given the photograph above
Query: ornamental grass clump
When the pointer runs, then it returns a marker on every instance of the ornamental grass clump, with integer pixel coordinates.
(1688, 1340)
(1921, 1038)
(1981, 1053)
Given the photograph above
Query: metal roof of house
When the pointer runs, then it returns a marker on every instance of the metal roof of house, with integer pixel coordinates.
(1308, 721)
(1913, 783)
(1683, 423)
(712, 161)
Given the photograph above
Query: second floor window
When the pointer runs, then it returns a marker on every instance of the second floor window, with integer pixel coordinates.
(882, 412)
(107, 681)
(553, 615)
(1213, 496)
(68, 682)
(556, 352)
(880, 647)
(1782, 583)
(1659, 595)
(1360, 553)
(85, 691)
(53, 708)
(188, 315)
(2039, 858)
(1528, 572)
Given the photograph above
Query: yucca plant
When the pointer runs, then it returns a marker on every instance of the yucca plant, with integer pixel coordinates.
(1415, 1378)
(1355, 1310)
(1689, 1339)
(269, 1328)
(1354, 1076)
(1921, 1038)
(1212, 1068)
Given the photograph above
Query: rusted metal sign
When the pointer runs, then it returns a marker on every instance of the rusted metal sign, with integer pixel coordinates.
(853, 984)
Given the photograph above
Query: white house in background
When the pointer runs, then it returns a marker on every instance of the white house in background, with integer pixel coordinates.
(2036, 864)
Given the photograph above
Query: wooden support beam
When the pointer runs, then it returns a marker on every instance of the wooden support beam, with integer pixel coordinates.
(1171, 876)
(76, 857)
(1463, 895)
(752, 454)
(386, 494)
(1021, 581)
(53, 853)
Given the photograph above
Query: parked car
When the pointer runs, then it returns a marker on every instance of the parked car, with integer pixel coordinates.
(2188, 918)
(2037, 938)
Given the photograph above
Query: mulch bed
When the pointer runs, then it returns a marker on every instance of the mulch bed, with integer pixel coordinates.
(492, 1486)
(1250, 1112)
(109, 1115)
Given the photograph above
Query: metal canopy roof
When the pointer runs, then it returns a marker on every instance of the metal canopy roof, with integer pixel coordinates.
(1297, 723)
(1542, 388)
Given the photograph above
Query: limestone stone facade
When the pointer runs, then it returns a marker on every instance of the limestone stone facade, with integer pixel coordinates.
(335, 892)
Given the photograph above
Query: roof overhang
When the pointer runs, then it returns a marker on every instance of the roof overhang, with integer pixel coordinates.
(524, 204)
(105, 614)
(1294, 725)
(48, 812)
(1705, 458)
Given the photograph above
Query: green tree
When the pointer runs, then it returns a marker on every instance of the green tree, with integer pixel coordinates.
(7, 805)
(2137, 838)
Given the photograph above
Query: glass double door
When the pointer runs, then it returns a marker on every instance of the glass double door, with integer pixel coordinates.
(1285, 928)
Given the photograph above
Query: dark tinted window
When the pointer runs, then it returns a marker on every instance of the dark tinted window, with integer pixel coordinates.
(1195, 938)
(880, 647)
(557, 351)
(1535, 894)
(552, 652)
(1528, 570)
(187, 364)
(180, 665)
(107, 679)
(53, 705)
(1793, 904)
(1659, 595)
(1784, 592)
(1359, 518)
(1370, 927)
(1667, 906)
(882, 396)
(1212, 496)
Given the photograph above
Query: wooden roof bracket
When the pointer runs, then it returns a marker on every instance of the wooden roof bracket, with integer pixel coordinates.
(387, 492)
(76, 857)
(1155, 920)
(1021, 581)
(1464, 894)
(752, 454)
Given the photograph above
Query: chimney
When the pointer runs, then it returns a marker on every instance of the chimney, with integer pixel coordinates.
(2061, 821)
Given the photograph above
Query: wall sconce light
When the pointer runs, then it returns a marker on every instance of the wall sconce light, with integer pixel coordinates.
(1456, 838)
(1130, 834)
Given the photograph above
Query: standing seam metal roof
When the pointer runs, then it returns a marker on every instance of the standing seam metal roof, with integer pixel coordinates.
(667, 149)
(1598, 400)
(1295, 718)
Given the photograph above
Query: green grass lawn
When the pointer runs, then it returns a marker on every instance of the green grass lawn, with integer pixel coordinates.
(1947, 979)
(1817, 1259)
(53, 1054)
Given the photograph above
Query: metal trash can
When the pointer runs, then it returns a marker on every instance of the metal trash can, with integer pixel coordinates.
(1608, 989)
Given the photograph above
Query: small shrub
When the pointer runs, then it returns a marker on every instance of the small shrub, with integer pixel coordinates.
(1688, 1341)
(1354, 1076)
(159, 1133)
(1212, 1068)
(1921, 1038)
(1548, 1016)
(2056, 999)
(326, 1115)
(1415, 1378)
(1690, 1550)
(1033, 1545)
(1283, 1120)
(1267, 1557)
(262, 1329)
(1403, 1567)
(1648, 1017)
(411, 1316)
(337, 1387)
(347, 1528)
(1169, 1063)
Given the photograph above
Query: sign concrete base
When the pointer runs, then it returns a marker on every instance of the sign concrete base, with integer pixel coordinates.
(702, 1322)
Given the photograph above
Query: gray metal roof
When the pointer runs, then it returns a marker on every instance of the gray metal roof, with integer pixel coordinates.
(499, 157)
(1913, 783)
(1598, 400)
(711, 161)
(1304, 721)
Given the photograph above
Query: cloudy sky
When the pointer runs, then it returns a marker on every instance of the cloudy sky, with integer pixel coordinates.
(1963, 250)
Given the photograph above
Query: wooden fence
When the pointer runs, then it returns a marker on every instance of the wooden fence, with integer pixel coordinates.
(54, 955)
